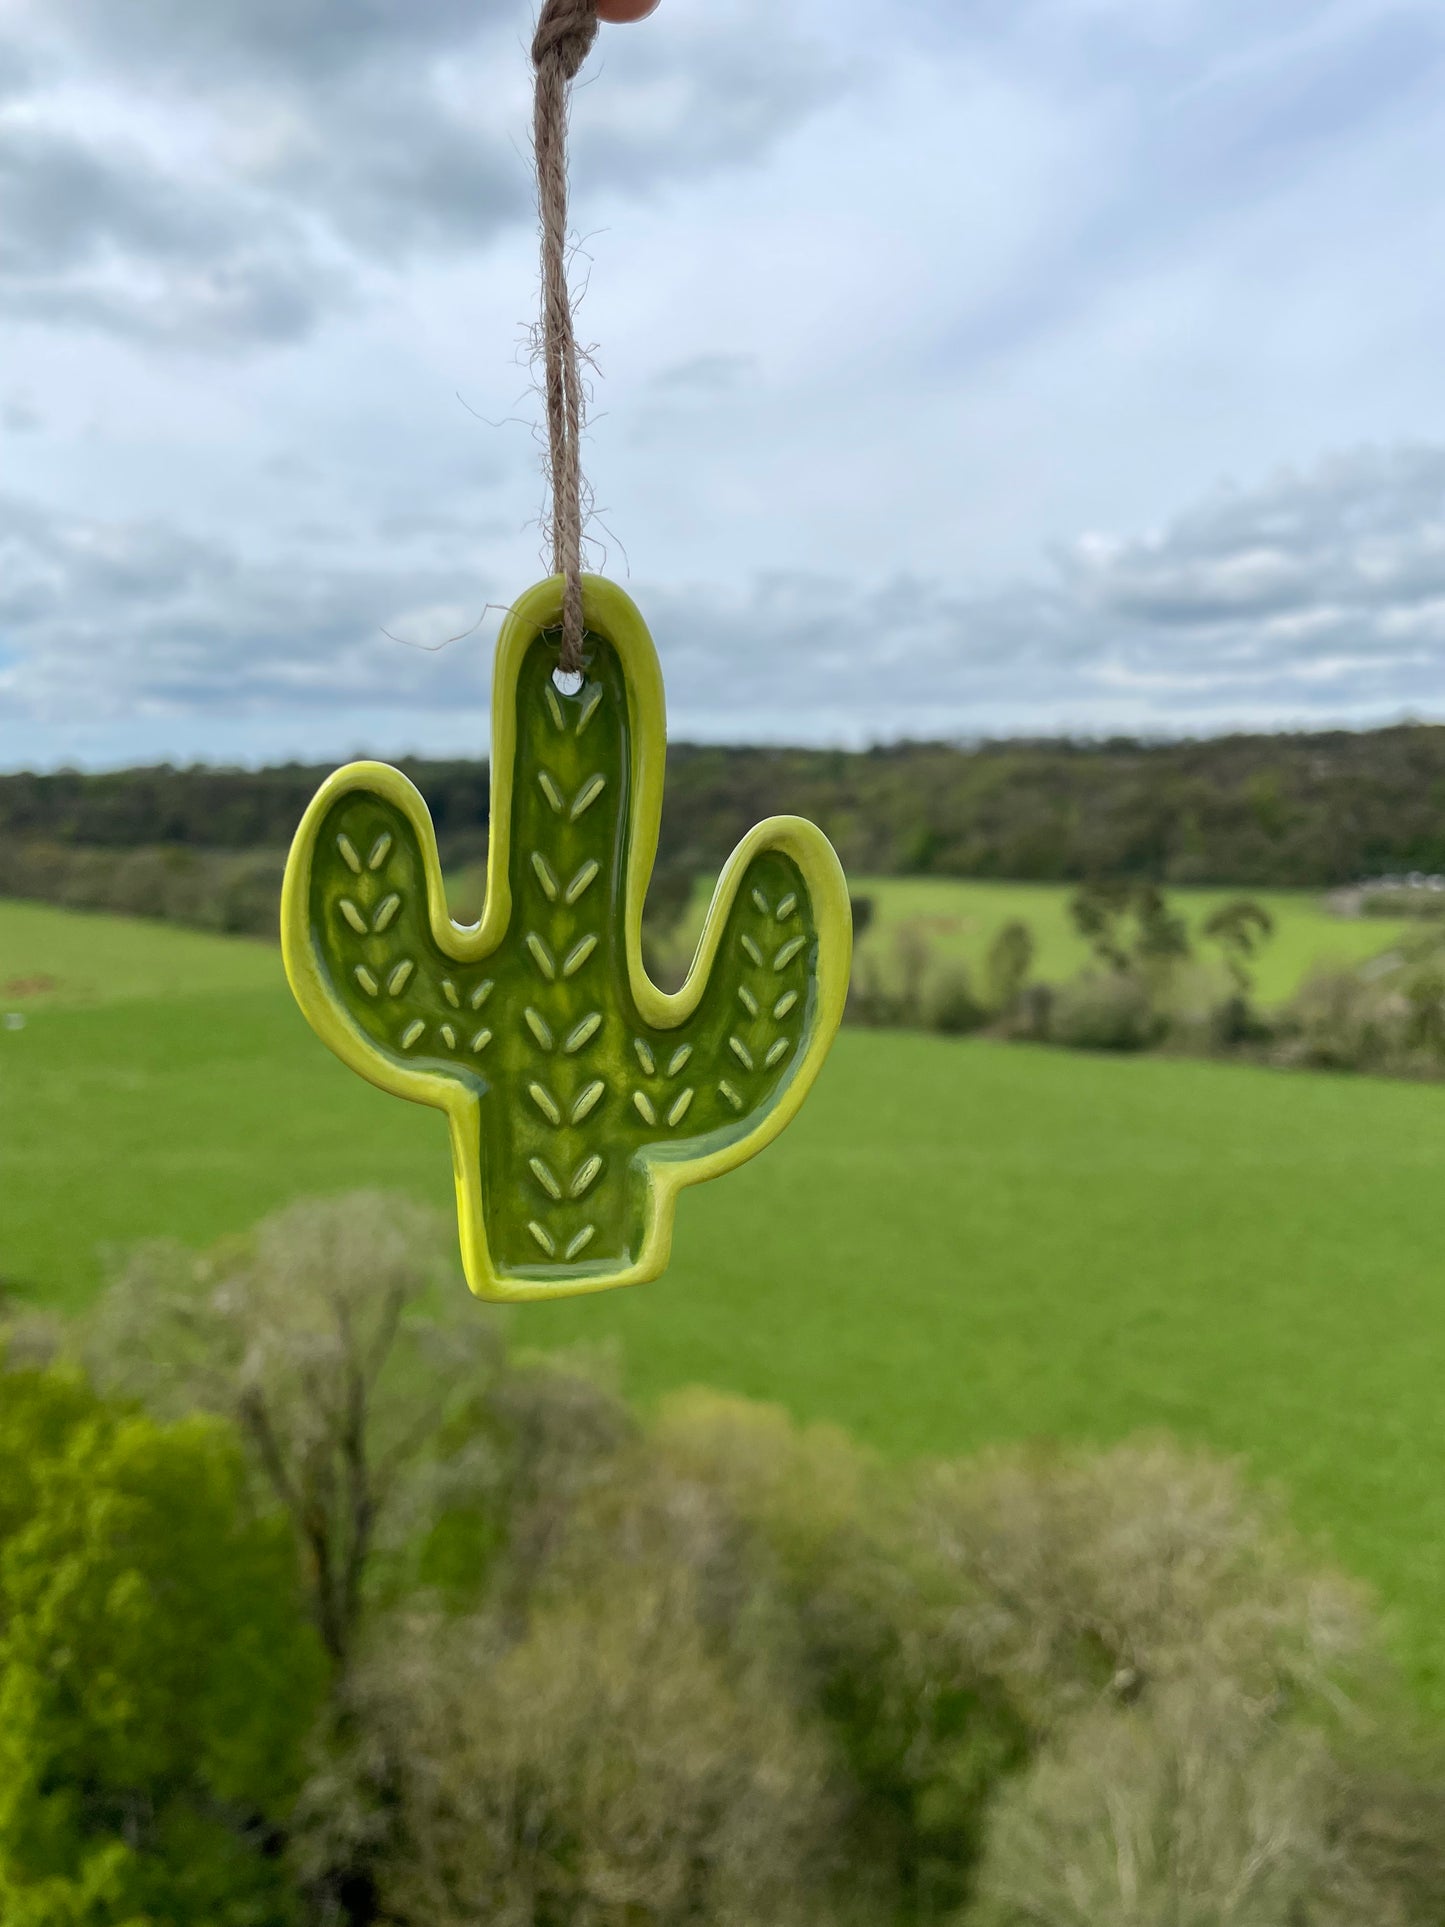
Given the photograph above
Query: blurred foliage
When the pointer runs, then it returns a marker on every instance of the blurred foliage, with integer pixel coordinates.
(1387, 1016)
(1010, 958)
(909, 986)
(1147, 991)
(1128, 926)
(315, 1337)
(702, 1669)
(601, 1762)
(1114, 1010)
(158, 1682)
(1295, 810)
(1241, 928)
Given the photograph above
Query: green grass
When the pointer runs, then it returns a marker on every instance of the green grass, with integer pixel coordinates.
(62, 958)
(961, 918)
(955, 1243)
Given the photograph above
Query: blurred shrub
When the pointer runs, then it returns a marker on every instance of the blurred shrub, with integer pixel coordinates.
(1098, 1011)
(1235, 1023)
(911, 968)
(1141, 998)
(912, 988)
(949, 1003)
(1031, 1019)
(1402, 902)
(1334, 1022)
(1387, 1015)
(868, 1000)
(1010, 958)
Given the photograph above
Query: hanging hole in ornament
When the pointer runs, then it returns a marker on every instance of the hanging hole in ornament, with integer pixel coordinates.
(567, 682)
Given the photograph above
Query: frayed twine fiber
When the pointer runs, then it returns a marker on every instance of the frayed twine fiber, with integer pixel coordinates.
(563, 40)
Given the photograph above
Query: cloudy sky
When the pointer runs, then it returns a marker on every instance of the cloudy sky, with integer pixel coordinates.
(965, 368)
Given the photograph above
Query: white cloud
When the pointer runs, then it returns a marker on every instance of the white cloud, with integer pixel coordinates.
(212, 176)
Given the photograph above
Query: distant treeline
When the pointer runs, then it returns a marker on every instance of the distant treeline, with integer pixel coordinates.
(1303, 810)
(237, 892)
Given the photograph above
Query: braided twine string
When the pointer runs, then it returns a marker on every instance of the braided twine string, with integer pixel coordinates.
(563, 40)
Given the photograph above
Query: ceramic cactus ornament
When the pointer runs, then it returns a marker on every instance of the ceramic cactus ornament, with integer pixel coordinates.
(580, 1098)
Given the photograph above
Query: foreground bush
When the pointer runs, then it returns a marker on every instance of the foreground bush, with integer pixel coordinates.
(1080, 1577)
(712, 1667)
(605, 1765)
(1204, 1813)
(1180, 1665)
(158, 1681)
(1192, 1813)
(356, 1381)
(842, 1578)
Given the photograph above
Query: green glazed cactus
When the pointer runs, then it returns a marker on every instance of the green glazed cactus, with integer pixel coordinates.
(580, 1097)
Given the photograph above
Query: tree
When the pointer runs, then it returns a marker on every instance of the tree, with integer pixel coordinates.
(608, 1766)
(1241, 928)
(912, 962)
(1098, 910)
(1162, 937)
(1103, 913)
(381, 1419)
(158, 1679)
(354, 1367)
(1010, 958)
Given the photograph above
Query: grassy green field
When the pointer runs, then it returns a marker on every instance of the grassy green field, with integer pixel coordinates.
(957, 1242)
(63, 959)
(961, 919)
